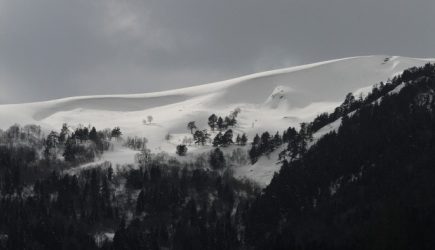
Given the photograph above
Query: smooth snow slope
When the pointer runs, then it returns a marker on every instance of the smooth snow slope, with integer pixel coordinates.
(270, 100)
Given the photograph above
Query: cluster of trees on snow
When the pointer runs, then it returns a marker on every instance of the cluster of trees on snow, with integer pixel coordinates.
(226, 139)
(201, 137)
(222, 139)
(264, 145)
(136, 143)
(81, 145)
(149, 120)
(27, 154)
(296, 143)
(215, 122)
(241, 140)
(220, 123)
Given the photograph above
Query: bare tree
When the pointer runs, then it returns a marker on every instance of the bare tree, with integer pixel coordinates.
(150, 118)
(191, 125)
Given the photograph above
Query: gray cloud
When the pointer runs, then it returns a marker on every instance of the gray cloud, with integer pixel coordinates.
(58, 48)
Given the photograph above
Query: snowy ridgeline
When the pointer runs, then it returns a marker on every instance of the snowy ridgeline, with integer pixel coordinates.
(270, 101)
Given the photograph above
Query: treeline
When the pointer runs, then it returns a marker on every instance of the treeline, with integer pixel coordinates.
(297, 140)
(26, 154)
(296, 143)
(352, 103)
(366, 186)
(78, 146)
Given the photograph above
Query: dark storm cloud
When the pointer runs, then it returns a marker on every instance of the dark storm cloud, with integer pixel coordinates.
(57, 48)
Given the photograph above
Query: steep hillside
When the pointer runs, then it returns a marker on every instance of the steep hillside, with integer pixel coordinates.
(367, 184)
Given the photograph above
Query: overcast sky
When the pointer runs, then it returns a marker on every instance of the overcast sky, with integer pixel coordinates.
(58, 48)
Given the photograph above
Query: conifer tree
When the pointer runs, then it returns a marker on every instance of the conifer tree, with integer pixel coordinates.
(227, 138)
(93, 136)
(276, 141)
(243, 140)
(232, 121)
(181, 150)
(85, 133)
(50, 145)
(265, 144)
(289, 135)
(217, 159)
(348, 102)
(217, 141)
(253, 154)
(116, 132)
(201, 137)
(69, 151)
(63, 136)
(212, 121)
(220, 123)
(238, 140)
(256, 140)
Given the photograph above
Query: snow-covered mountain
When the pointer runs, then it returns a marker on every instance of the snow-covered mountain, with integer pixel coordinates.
(271, 101)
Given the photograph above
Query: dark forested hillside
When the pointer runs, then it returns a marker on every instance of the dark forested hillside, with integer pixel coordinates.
(159, 203)
(369, 185)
